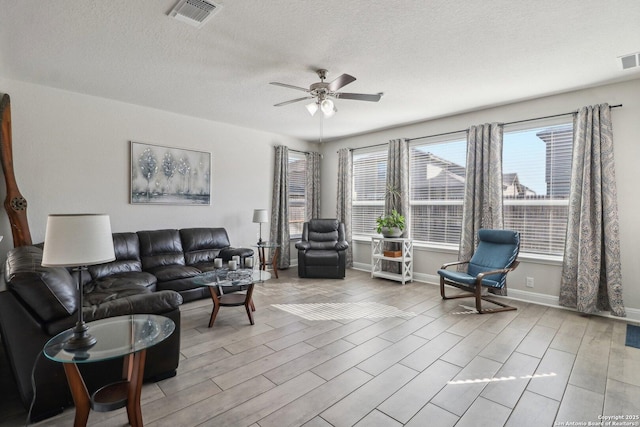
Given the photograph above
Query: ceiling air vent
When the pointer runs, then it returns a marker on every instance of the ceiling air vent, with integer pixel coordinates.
(194, 12)
(630, 61)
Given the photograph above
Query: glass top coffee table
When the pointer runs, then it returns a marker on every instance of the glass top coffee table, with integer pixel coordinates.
(122, 336)
(229, 288)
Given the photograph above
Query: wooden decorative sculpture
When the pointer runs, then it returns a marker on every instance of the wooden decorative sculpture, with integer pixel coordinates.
(15, 204)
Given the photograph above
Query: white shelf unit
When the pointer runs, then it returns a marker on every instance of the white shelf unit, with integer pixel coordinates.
(405, 259)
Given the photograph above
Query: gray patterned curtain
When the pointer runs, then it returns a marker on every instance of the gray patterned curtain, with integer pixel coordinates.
(397, 194)
(482, 205)
(343, 205)
(591, 273)
(397, 191)
(279, 232)
(312, 187)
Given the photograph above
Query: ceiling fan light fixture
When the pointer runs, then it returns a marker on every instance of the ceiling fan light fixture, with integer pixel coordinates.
(331, 113)
(312, 108)
(327, 107)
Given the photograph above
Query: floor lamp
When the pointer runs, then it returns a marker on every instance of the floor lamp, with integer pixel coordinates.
(78, 240)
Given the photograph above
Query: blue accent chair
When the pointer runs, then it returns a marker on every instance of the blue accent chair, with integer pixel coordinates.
(494, 257)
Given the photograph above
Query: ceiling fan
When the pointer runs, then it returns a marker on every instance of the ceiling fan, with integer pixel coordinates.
(322, 94)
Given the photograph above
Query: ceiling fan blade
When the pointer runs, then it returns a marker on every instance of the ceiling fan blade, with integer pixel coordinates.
(292, 101)
(340, 81)
(290, 86)
(359, 96)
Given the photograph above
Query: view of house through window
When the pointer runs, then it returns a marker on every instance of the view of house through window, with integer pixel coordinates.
(536, 183)
(437, 176)
(297, 198)
(537, 178)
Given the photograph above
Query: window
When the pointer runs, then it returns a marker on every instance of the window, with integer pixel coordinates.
(437, 190)
(297, 197)
(369, 184)
(536, 181)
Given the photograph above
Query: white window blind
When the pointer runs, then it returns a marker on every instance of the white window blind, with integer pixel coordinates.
(369, 184)
(297, 196)
(536, 182)
(437, 179)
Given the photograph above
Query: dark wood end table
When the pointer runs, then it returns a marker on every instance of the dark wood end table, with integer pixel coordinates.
(122, 336)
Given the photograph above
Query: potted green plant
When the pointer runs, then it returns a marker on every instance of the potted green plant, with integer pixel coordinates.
(391, 225)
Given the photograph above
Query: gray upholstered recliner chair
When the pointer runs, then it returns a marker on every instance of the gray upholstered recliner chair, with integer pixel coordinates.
(322, 252)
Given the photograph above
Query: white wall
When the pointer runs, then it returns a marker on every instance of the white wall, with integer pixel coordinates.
(626, 129)
(71, 154)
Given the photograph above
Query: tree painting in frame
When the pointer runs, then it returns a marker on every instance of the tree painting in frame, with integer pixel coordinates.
(169, 176)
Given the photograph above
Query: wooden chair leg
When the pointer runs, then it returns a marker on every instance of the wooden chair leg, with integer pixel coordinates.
(478, 296)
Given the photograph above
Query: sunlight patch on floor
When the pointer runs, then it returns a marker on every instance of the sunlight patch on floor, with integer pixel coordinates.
(343, 310)
(495, 379)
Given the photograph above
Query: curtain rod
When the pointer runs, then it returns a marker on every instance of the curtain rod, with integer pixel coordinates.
(304, 152)
(298, 151)
(465, 130)
(511, 123)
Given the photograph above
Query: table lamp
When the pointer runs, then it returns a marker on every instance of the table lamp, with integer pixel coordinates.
(78, 240)
(260, 216)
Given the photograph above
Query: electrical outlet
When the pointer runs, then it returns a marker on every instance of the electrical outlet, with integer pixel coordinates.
(529, 282)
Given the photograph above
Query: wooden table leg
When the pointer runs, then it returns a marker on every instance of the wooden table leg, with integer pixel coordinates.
(274, 260)
(79, 393)
(216, 304)
(248, 303)
(134, 411)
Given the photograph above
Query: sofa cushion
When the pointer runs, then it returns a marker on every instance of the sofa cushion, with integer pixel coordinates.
(50, 292)
(322, 257)
(228, 253)
(160, 248)
(167, 273)
(127, 250)
(323, 233)
(203, 244)
(322, 225)
(120, 284)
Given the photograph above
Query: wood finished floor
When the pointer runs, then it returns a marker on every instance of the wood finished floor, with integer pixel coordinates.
(530, 367)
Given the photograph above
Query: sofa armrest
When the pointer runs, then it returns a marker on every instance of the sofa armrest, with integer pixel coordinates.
(342, 245)
(227, 253)
(303, 245)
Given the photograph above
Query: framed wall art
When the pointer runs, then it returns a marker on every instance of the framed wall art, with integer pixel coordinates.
(169, 176)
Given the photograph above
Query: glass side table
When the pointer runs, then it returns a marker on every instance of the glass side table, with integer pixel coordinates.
(263, 259)
(121, 336)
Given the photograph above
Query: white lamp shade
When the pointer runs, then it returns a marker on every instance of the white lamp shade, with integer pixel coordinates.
(260, 215)
(76, 240)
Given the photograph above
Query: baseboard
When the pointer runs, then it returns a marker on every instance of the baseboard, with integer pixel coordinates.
(633, 314)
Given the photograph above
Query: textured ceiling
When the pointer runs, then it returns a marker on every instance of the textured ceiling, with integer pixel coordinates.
(430, 58)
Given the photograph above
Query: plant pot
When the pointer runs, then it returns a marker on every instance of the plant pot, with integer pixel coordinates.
(391, 232)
